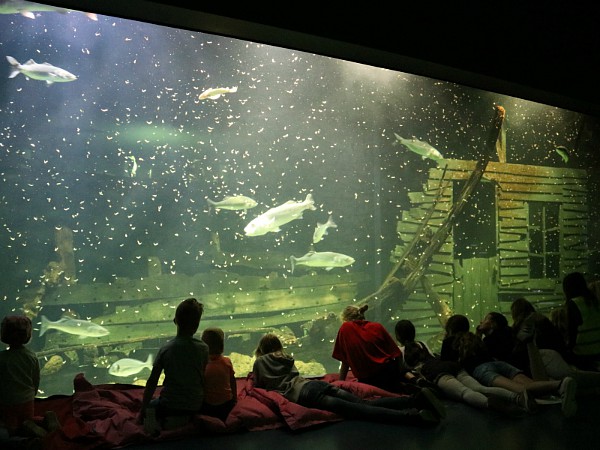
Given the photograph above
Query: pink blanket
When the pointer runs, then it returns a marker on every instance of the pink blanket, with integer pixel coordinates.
(104, 416)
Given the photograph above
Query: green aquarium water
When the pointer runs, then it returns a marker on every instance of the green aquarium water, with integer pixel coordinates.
(143, 164)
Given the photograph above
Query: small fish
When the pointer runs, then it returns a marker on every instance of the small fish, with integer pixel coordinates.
(44, 72)
(134, 167)
(321, 230)
(327, 260)
(233, 203)
(420, 148)
(215, 93)
(127, 367)
(280, 215)
(81, 328)
(27, 9)
(563, 152)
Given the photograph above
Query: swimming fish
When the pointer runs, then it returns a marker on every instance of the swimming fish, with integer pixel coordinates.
(44, 72)
(81, 328)
(280, 215)
(321, 229)
(328, 260)
(563, 152)
(27, 9)
(215, 93)
(134, 167)
(233, 203)
(420, 148)
(126, 367)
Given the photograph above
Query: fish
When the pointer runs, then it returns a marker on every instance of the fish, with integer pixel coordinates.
(127, 367)
(81, 328)
(327, 260)
(233, 203)
(563, 152)
(321, 229)
(271, 220)
(44, 72)
(27, 9)
(134, 166)
(215, 93)
(420, 148)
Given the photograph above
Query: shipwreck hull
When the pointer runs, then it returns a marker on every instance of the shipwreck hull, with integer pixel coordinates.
(135, 311)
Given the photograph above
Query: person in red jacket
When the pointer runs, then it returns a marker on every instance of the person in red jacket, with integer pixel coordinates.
(369, 351)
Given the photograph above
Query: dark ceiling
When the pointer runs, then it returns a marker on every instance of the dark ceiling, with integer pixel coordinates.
(547, 52)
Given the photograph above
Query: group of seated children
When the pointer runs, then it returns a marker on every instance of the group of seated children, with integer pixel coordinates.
(497, 367)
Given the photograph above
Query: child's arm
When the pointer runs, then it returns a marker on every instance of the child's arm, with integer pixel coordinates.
(344, 371)
(233, 383)
(149, 391)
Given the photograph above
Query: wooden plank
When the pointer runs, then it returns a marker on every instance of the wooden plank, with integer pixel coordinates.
(167, 287)
(422, 198)
(511, 254)
(533, 284)
(145, 331)
(519, 246)
(540, 197)
(508, 205)
(514, 221)
(497, 171)
(513, 271)
(557, 190)
(511, 237)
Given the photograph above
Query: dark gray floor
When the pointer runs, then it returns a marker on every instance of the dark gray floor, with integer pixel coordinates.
(465, 428)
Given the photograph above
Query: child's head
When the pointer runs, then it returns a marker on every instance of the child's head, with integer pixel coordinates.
(16, 330)
(354, 313)
(187, 316)
(457, 324)
(215, 339)
(492, 321)
(520, 309)
(269, 343)
(405, 331)
(574, 285)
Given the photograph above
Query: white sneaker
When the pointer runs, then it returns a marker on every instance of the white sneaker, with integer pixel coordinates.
(568, 390)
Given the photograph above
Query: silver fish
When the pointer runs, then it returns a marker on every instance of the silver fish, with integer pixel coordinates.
(327, 260)
(233, 203)
(215, 93)
(321, 229)
(127, 367)
(420, 148)
(280, 215)
(27, 9)
(81, 328)
(563, 152)
(44, 72)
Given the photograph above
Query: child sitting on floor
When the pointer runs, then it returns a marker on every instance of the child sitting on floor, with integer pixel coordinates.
(19, 382)
(275, 370)
(220, 388)
(183, 360)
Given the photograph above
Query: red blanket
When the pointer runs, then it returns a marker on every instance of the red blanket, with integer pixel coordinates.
(104, 416)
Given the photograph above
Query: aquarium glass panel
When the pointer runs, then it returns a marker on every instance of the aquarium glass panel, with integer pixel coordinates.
(142, 164)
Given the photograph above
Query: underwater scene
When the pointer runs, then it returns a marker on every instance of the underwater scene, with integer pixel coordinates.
(142, 164)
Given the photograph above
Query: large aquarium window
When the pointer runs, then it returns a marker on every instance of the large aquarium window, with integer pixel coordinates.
(142, 164)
